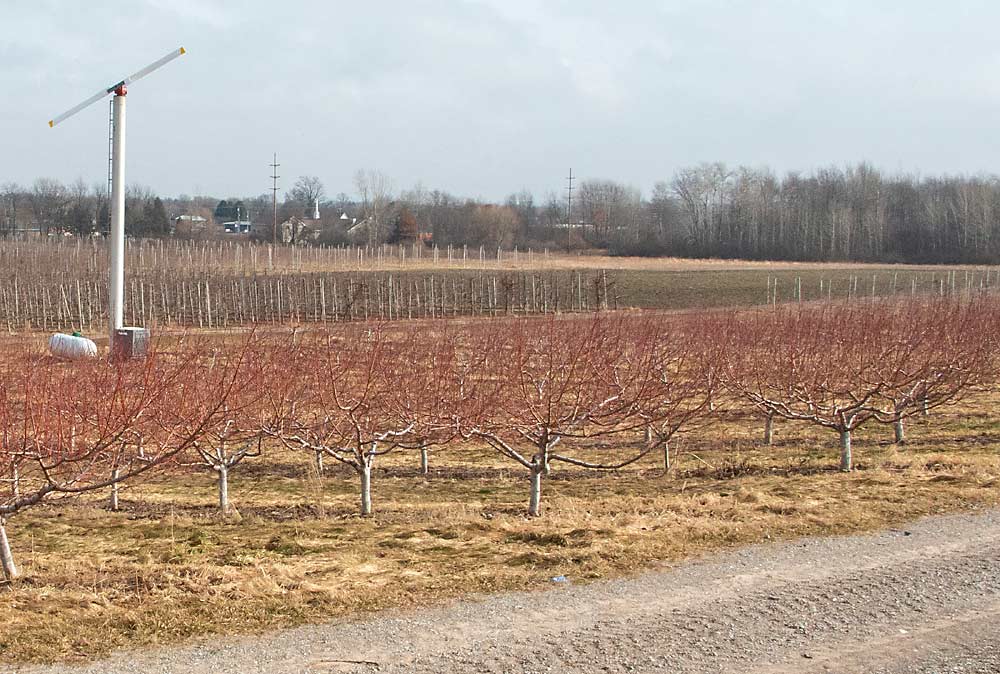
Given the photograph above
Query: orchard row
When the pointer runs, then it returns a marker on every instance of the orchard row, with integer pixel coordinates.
(537, 391)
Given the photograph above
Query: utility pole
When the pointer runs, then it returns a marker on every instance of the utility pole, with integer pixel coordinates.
(569, 208)
(274, 198)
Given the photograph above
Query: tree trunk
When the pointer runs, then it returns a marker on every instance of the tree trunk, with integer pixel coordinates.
(319, 463)
(366, 489)
(925, 409)
(535, 502)
(223, 489)
(423, 462)
(666, 456)
(897, 428)
(846, 463)
(769, 430)
(10, 571)
(648, 435)
(113, 501)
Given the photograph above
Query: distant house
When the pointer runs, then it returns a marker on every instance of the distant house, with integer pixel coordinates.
(358, 232)
(297, 230)
(237, 227)
(187, 225)
(194, 219)
(358, 229)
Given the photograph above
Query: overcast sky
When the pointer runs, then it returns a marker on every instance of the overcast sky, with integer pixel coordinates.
(486, 97)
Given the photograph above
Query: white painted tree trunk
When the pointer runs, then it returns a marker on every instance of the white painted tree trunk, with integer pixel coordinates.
(666, 456)
(769, 430)
(16, 480)
(319, 463)
(423, 462)
(898, 431)
(925, 409)
(366, 489)
(535, 501)
(7, 565)
(648, 435)
(223, 489)
(846, 461)
(113, 501)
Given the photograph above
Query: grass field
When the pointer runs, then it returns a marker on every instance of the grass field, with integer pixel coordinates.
(733, 286)
(168, 567)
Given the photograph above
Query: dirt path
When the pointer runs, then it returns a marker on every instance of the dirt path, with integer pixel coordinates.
(923, 599)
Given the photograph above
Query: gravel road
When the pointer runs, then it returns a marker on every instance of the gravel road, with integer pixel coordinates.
(921, 599)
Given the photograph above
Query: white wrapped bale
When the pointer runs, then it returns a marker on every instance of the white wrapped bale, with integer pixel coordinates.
(72, 347)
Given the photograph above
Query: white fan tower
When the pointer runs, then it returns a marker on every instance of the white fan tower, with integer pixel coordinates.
(116, 275)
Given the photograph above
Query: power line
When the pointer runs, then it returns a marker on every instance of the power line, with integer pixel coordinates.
(569, 197)
(274, 198)
(569, 209)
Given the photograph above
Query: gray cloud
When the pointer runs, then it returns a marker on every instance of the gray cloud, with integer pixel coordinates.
(485, 97)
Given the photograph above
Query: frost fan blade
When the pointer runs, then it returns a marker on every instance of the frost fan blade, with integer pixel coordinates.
(138, 75)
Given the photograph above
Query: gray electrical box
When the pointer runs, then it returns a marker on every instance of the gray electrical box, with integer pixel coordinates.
(130, 343)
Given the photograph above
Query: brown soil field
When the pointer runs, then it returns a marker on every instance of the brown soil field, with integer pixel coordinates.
(299, 298)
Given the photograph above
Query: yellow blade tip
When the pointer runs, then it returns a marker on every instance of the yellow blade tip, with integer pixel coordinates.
(183, 50)
(51, 123)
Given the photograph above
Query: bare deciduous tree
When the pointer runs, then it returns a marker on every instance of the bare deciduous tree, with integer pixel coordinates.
(558, 382)
(306, 193)
(76, 427)
(841, 366)
(48, 199)
(11, 200)
(375, 189)
(361, 393)
(239, 430)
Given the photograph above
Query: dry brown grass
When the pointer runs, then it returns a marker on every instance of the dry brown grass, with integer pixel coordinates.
(598, 260)
(587, 259)
(168, 567)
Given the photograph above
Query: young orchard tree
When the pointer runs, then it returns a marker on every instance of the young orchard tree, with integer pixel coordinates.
(224, 447)
(953, 343)
(433, 366)
(10, 454)
(768, 427)
(78, 427)
(548, 381)
(239, 432)
(810, 365)
(363, 392)
(686, 387)
(835, 366)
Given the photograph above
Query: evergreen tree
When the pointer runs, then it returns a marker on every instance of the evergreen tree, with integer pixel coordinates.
(155, 220)
(406, 229)
(103, 219)
(135, 220)
(223, 211)
(80, 219)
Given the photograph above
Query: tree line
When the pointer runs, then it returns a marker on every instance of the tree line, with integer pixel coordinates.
(852, 214)
(857, 213)
(48, 207)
